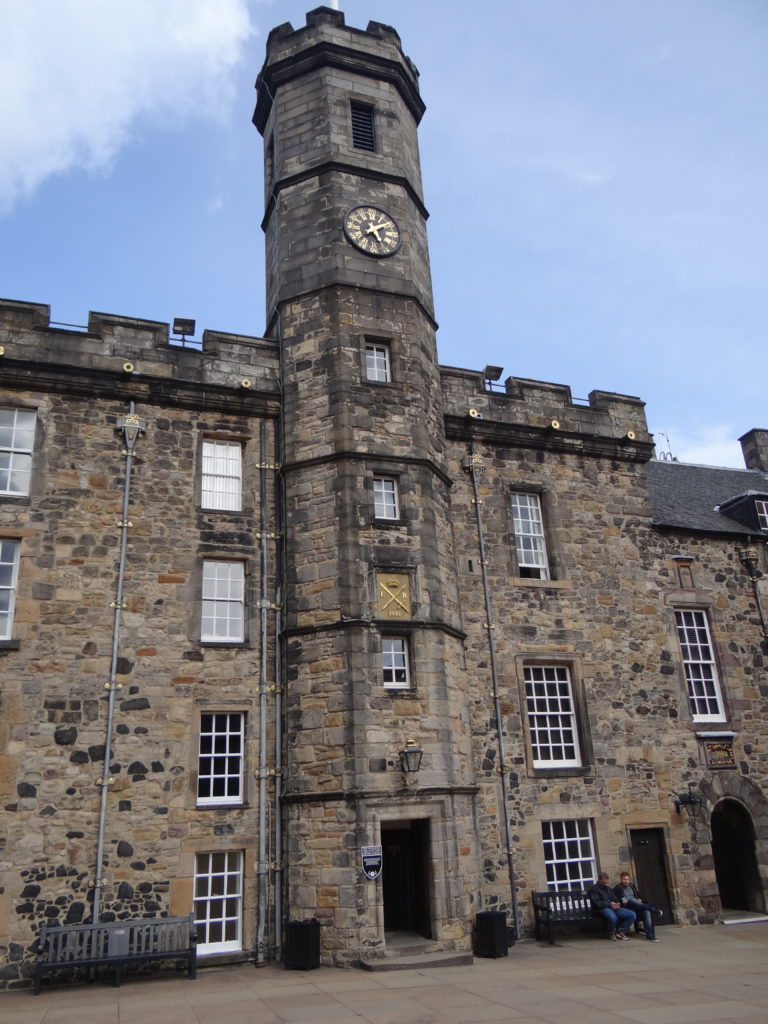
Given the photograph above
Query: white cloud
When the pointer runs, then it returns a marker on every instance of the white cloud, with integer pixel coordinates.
(76, 74)
(713, 445)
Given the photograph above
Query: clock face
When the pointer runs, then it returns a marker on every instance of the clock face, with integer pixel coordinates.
(372, 231)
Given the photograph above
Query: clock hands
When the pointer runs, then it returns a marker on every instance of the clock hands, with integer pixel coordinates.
(374, 229)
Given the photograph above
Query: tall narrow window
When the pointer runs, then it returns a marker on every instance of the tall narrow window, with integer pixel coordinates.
(218, 901)
(269, 161)
(9, 574)
(569, 854)
(17, 438)
(363, 136)
(704, 696)
(551, 716)
(530, 543)
(222, 475)
(761, 508)
(223, 602)
(220, 763)
(394, 662)
(385, 498)
(377, 363)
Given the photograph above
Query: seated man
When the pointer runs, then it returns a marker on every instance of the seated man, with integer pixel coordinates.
(604, 899)
(628, 896)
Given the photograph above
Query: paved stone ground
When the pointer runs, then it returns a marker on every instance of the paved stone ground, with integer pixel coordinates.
(708, 974)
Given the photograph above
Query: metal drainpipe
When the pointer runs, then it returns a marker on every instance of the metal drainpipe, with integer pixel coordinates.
(262, 868)
(131, 426)
(280, 589)
(278, 781)
(749, 561)
(471, 465)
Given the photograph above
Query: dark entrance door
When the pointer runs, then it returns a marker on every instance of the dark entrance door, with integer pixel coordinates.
(404, 876)
(651, 870)
(733, 850)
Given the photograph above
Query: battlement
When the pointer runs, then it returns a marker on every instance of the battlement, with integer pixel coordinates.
(133, 346)
(539, 404)
(327, 41)
(325, 21)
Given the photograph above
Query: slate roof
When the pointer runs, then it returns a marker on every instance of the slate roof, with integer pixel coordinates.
(684, 495)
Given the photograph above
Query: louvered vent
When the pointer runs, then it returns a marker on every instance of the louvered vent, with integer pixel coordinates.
(362, 126)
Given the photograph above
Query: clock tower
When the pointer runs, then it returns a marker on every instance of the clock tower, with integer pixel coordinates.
(372, 642)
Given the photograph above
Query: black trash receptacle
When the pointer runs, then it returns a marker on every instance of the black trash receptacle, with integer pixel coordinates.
(302, 945)
(491, 933)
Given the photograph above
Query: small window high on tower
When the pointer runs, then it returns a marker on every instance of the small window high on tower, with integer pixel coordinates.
(363, 136)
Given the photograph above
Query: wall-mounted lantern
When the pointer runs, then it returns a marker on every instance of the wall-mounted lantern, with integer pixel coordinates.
(410, 756)
(691, 802)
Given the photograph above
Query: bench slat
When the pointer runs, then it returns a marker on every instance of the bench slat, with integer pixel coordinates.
(557, 908)
(116, 944)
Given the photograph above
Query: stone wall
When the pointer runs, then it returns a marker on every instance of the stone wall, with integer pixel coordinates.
(607, 613)
(57, 666)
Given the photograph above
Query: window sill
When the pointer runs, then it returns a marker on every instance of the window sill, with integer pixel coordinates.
(228, 645)
(216, 958)
(245, 512)
(221, 807)
(9, 645)
(524, 581)
(385, 524)
(560, 773)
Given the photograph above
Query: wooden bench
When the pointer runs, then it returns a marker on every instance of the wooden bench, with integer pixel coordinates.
(553, 909)
(116, 944)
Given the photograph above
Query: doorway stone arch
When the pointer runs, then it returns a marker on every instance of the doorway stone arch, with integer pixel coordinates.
(739, 836)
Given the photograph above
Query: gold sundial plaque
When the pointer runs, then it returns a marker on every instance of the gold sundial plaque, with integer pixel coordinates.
(719, 753)
(393, 596)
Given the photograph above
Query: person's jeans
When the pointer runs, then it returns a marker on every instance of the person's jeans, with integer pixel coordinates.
(626, 917)
(646, 912)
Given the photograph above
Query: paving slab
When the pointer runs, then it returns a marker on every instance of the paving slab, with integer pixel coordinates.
(707, 974)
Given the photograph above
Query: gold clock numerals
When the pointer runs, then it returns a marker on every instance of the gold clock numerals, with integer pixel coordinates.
(372, 231)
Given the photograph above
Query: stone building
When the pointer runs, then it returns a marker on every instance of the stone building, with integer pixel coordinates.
(277, 613)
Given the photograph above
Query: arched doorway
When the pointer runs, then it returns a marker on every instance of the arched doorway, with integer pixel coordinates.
(733, 850)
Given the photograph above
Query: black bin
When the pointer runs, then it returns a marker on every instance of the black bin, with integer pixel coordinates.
(302, 945)
(491, 934)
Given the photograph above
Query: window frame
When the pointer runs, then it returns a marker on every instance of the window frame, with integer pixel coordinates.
(363, 134)
(11, 587)
(689, 665)
(15, 458)
(537, 538)
(583, 832)
(761, 511)
(223, 461)
(394, 661)
(205, 923)
(380, 503)
(378, 369)
(218, 602)
(207, 759)
(569, 711)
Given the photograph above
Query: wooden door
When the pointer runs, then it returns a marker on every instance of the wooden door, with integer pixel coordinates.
(405, 876)
(651, 869)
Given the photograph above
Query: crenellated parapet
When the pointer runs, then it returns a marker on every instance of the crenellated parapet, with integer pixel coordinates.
(133, 358)
(375, 53)
(543, 415)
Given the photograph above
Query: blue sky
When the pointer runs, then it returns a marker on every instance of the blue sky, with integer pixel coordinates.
(594, 170)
